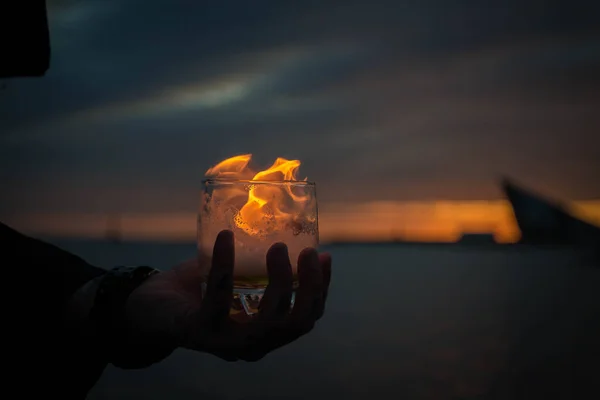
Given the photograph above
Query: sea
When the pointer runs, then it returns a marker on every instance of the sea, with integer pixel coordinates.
(410, 321)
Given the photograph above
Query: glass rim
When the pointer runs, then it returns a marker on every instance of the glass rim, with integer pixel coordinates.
(260, 182)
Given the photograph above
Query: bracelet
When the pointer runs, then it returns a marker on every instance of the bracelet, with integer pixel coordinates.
(108, 312)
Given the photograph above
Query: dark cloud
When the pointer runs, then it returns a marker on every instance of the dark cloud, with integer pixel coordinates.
(380, 100)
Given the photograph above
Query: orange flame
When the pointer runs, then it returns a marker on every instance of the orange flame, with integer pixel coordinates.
(266, 202)
(231, 168)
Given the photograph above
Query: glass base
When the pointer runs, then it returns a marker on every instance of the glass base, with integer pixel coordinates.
(247, 300)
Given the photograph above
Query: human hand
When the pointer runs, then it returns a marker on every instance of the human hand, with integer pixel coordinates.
(169, 309)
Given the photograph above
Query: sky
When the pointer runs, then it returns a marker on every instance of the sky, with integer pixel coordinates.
(382, 101)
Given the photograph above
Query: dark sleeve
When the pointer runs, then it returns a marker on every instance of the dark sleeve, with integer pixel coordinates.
(61, 272)
(40, 279)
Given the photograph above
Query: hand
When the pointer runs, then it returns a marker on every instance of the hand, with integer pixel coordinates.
(168, 309)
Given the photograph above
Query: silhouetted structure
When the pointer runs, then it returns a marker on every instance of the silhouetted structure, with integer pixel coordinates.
(113, 231)
(543, 222)
(24, 39)
(477, 239)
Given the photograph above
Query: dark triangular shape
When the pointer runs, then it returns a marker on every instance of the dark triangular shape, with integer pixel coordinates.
(542, 221)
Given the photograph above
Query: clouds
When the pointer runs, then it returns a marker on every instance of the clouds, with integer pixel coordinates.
(414, 99)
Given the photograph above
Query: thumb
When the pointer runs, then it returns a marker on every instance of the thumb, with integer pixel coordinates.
(191, 274)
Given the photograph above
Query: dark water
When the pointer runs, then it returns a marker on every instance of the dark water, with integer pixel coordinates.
(414, 322)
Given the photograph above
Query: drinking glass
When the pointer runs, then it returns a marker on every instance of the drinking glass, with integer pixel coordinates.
(260, 213)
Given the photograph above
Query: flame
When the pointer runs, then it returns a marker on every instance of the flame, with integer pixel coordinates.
(269, 207)
(231, 168)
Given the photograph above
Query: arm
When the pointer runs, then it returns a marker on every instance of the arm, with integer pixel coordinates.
(50, 290)
(48, 262)
(167, 311)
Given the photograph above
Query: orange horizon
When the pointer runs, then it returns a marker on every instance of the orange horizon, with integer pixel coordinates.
(443, 221)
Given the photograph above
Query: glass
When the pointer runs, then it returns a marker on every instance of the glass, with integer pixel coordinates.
(260, 213)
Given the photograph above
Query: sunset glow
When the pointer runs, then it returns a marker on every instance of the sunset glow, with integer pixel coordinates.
(413, 221)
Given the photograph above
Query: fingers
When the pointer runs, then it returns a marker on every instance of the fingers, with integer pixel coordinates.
(276, 301)
(278, 327)
(309, 295)
(219, 291)
(274, 326)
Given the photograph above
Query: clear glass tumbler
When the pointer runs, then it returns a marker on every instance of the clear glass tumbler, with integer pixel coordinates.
(260, 213)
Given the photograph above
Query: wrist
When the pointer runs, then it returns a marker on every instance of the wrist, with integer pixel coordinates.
(108, 314)
(80, 305)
